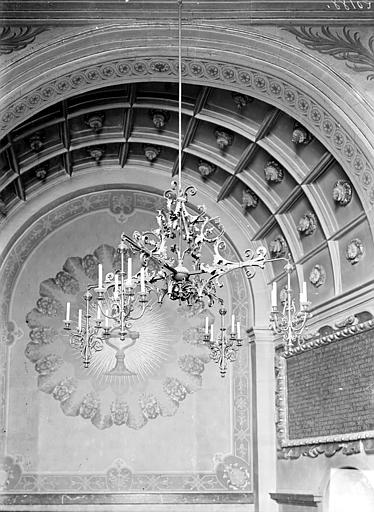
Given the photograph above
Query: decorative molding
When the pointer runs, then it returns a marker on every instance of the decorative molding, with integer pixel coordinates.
(341, 44)
(14, 38)
(210, 72)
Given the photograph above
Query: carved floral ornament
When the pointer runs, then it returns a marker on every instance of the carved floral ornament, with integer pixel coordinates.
(96, 153)
(354, 251)
(300, 135)
(317, 276)
(273, 172)
(307, 224)
(95, 121)
(342, 192)
(278, 247)
(41, 173)
(159, 118)
(249, 199)
(36, 142)
(241, 100)
(223, 137)
(151, 152)
(206, 168)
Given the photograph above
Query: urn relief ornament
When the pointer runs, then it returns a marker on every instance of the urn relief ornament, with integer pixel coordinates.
(342, 192)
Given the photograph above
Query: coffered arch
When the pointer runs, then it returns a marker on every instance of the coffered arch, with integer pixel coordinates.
(219, 63)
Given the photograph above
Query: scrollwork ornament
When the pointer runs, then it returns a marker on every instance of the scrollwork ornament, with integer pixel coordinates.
(307, 224)
(342, 192)
(354, 251)
(14, 38)
(317, 276)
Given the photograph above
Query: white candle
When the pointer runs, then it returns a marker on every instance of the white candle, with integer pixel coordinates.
(80, 320)
(142, 280)
(98, 313)
(129, 272)
(274, 295)
(233, 324)
(100, 271)
(67, 319)
(305, 293)
(106, 319)
(238, 329)
(206, 325)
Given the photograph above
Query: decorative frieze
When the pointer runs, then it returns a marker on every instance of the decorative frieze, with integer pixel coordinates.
(342, 192)
(307, 224)
(354, 251)
(273, 172)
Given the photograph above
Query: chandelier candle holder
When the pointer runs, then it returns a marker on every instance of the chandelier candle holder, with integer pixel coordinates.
(119, 300)
(225, 348)
(290, 322)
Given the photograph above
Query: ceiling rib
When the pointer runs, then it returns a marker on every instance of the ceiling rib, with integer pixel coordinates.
(66, 139)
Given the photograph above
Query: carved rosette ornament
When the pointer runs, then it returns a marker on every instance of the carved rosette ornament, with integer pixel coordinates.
(273, 172)
(354, 251)
(317, 276)
(224, 138)
(35, 142)
(342, 192)
(278, 247)
(300, 135)
(151, 152)
(307, 224)
(96, 153)
(249, 199)
(241, 100)
(41, 173)
(206, 168)
(159, 118)
(95, 122)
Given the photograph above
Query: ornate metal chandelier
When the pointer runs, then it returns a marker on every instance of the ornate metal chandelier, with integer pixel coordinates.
(290, 322)
(180, 259)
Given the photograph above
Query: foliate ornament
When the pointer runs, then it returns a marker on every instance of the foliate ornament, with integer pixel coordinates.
(354, 251)
(249, 199)
(95, 122)
(13, 38)
(342, 192)
(224, 138)
(159, 118)
(206, 168)
(96, 153)
(151, 152)
(35, 142)
(300, 135)
(307, 224)
(273, 172)
(41, 173)
(278, 247)
(317, 276)
(241, 100)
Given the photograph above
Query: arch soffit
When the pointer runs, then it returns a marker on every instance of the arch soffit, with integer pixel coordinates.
(271, 73)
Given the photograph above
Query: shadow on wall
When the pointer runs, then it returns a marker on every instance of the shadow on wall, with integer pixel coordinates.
(349, 489)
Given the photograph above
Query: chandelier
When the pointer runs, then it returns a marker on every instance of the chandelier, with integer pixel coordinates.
(290, 321)
(182, 259)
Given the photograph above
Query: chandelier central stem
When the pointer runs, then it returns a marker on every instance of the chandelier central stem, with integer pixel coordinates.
(180, 94)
